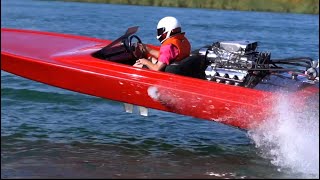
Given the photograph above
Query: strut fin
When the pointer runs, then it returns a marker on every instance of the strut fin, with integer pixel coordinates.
(128, 107)
(143, 111)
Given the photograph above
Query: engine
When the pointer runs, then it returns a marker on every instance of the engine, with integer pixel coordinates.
(235, 62)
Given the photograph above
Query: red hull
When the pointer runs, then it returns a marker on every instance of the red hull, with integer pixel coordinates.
(65, 61)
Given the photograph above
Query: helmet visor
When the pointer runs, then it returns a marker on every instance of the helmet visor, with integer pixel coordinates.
(162, 37)
(160, 31)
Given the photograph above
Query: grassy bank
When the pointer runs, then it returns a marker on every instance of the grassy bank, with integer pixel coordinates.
(289, 6)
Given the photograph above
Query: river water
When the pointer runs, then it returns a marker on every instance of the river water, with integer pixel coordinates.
(47, 132)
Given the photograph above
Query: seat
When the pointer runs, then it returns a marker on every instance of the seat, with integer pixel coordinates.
(192, 66)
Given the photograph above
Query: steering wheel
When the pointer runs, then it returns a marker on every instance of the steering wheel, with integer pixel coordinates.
(133, 47)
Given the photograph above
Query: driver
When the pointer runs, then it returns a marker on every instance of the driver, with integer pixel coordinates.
(174, 46)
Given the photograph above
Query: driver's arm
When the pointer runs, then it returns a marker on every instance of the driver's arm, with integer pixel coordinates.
(151, 51)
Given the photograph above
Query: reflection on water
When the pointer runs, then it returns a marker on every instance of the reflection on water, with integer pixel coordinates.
(78, 160)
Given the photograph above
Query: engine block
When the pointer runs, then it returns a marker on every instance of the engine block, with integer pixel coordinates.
(232, 62)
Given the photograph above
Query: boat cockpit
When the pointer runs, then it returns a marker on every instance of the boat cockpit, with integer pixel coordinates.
(230, 62)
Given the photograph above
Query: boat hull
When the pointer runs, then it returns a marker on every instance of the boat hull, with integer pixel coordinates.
(66, 61)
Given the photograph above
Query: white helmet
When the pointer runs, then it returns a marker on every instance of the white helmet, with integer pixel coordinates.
(167, 27)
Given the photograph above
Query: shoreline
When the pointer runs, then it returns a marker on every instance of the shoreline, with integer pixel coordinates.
(281, 6)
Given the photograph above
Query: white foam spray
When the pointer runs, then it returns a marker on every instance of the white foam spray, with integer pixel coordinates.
(291, 138)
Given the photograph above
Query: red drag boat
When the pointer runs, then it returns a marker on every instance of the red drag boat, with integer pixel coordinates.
(227, 81)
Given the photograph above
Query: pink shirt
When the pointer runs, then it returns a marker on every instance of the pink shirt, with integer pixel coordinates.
(168, 53)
